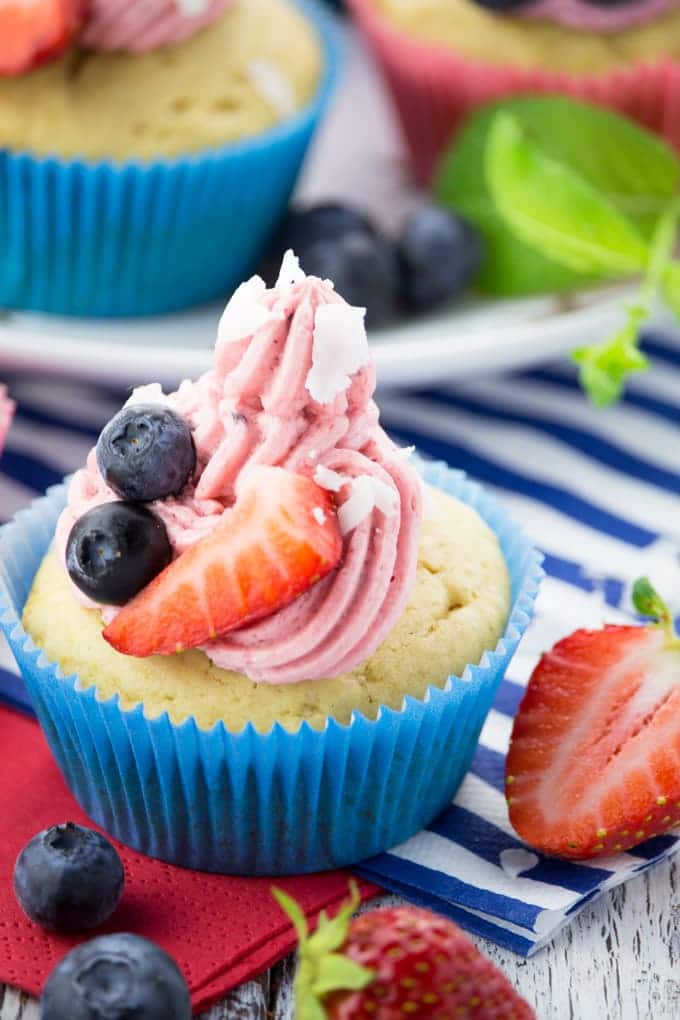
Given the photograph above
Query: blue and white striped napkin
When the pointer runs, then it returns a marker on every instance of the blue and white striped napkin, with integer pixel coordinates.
(598, 491)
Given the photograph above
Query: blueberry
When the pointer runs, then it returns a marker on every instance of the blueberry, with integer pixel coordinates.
(68, 878)
(502, 6)
(326, 221)
(115, 550)
(303, 227)
(116, 977)
(146, 452)
(439, 255)
(364, 270)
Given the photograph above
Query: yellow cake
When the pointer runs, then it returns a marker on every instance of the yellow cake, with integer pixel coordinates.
(457, 610)
(480, 35)
(257, 65)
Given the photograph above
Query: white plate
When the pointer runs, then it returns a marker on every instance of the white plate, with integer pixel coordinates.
(359, 159)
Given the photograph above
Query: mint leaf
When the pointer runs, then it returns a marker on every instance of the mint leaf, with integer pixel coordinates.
(632, 168)
(661, 249)
(670, 287)
(604, 367)
(554, 210)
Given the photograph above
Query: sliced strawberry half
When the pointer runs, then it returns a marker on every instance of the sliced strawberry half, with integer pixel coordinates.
(33, 31)
(594, 761)
(279, 539)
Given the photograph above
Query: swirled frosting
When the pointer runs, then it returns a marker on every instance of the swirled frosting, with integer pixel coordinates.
(580, 14)
(292, 385)
(141, 25)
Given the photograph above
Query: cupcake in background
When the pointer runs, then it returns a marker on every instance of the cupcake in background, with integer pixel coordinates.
(7, 408)
(443, 58)
(148, 150)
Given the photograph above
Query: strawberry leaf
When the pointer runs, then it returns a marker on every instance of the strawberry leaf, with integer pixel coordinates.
(320, 969)
(330, 934)
(338, 973)
(292, 909)
(648, 602)
(646, 599)
(311, 1010)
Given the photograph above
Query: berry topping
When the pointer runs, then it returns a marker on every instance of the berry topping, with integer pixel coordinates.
(395, 963)
(324, 222)
(33, 31)
(593, 765)
(439, 255)
(363, 268)
(146, 452)
(339, 243)
(114, 550)
(270, 547)
(502, 6)
(68, 878)
(116, 977)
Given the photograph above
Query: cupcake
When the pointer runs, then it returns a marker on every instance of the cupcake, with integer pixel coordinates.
(443, 58)
(146, 165)
(6, 414)
(256, 641)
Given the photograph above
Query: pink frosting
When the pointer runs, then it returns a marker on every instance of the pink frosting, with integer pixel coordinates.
(141, 25)
(6, 414)
(254, 407)
(589, 17)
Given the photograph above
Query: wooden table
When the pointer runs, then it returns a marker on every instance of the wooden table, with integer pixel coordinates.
(619, 960)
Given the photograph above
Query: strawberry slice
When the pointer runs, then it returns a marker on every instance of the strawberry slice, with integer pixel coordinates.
(279, 539)
(594, 761)
(33, 31)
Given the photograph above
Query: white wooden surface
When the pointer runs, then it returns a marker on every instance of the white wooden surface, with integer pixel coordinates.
(619, 960)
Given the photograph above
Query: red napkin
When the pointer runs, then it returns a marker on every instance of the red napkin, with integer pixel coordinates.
(221, 931)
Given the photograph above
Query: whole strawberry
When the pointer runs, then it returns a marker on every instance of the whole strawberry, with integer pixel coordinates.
(593, 765)
(33, 31)
(395, 963)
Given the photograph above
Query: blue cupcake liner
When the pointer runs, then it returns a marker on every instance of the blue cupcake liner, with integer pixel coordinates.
(111, 239)
(252, 803)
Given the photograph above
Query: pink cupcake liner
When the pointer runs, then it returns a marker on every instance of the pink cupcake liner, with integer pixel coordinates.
(434, 89)
(6, 414)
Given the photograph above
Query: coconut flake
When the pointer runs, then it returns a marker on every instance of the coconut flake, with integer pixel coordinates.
(152, 393)
(245, 312)
(291, 272)
(368, 494)
(192, 8)
(339, 349)
(385, 497)
(273, 86)
(319, 515)
(327, 479)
